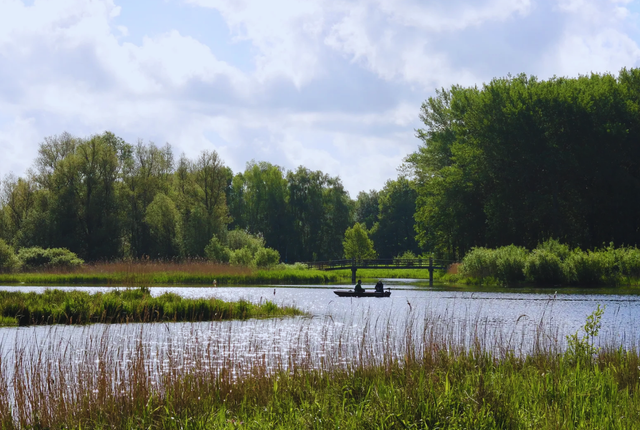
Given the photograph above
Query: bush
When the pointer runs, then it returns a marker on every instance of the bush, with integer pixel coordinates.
(242, 257)
(629, 262)
(267, 257)
(238, 239)
(509, 264)
(479, 263)
(407, 255)
(556, 248)
(544, 267)
(216, 251)
(39, 258)
(584, 268)
(8, 260)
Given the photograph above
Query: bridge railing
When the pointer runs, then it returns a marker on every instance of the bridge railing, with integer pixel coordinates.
(377, 263)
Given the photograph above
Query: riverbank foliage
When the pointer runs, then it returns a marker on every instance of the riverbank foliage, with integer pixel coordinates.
(158, 272)
(430, 382)
(552, 263)
(123, 306)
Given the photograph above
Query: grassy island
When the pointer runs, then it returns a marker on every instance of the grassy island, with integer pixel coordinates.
(121, 306)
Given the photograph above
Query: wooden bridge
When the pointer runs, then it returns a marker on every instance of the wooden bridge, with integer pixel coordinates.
(429, 264)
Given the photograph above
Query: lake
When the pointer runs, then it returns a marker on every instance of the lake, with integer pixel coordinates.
(512, 319)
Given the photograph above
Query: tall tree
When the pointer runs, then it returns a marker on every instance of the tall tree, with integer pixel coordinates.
(147, 171)
(367, 208)
(265, 197)
(521, 160)
(394, 232)
(201, 192)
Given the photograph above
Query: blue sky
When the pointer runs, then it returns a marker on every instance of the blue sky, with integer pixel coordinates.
(332, 85)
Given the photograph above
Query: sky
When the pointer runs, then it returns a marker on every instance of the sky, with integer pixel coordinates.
(330, 85)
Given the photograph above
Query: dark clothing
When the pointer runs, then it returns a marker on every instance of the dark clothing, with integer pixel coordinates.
(358, 288)
(379, 287)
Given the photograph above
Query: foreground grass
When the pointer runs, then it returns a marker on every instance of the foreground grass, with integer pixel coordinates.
(429, 382)
(133, 305)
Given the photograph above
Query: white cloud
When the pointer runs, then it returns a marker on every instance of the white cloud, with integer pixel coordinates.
(337, 85)
(595, 39)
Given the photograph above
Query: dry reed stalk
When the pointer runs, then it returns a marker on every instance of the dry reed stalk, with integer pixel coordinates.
(54, 383)
(144, 266)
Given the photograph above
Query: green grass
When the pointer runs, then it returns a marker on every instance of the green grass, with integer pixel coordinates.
(168, 278)
(435, 384)
(132, 305)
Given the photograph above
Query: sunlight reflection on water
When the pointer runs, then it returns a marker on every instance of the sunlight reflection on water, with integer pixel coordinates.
(496, 318)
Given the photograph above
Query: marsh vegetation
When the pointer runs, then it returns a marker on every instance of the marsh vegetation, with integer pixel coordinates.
(418, 372)
(123, 306)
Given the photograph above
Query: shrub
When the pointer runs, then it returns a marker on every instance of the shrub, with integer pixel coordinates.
(238, 239)
(510, 262)
(629, 262)
(556, 248)
(295, 266)
(583, 349)
(544, 267)
(407, 255)
(479, 263)
(242, 257)
(267, 257)
(36, 258)
(216, 251)
(8, 260)
(588, 268)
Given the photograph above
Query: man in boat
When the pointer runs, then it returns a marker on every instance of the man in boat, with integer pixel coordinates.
(358, 288)
(379, 287)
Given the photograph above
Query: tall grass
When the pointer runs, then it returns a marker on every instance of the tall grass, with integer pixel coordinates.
(427, 378)
(153, 272)
(133, 305)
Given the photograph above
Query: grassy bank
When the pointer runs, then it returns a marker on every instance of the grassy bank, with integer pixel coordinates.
(132, 305)
(429, 382)
(167, 273)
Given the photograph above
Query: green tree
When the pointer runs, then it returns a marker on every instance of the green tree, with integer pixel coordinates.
(306, 210)
(367, 208)
(357, 244)
(146, 171)
(394, 232)
(201, 194)
(163, 220)
(265, 203)
(520, 160)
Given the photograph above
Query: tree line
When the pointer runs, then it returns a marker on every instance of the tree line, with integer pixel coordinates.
(521, 160)
(105, 199)
(517, 161)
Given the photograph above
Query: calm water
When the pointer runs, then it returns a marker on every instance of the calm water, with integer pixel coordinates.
(498, 318)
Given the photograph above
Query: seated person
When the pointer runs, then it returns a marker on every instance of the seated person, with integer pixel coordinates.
(358, 288)
(379, 287)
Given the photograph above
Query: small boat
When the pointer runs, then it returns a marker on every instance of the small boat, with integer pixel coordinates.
(351, 293)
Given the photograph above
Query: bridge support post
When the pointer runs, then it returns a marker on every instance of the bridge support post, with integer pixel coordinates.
(431, 271)
(353, 274)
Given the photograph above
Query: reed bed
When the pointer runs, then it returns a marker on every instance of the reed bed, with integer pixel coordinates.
(122, 306)
(417, 373)
(159, 272)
